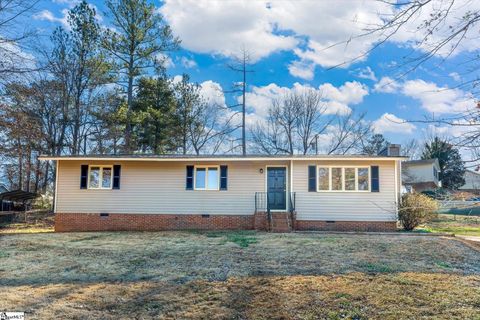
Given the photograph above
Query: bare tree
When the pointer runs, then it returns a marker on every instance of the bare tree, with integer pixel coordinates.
(411, 149)
(13, 60)
(347, 132)
(210, 127)
(293, 124)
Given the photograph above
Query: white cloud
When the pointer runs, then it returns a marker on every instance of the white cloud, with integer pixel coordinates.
(335, 99)
(225, 27)
(302, 70)
(212, 92)
(188, 63)
(47, 15)
(329, 27)
(455, 76)
(366, 73)
(317, 32)
(438, 100)
(387, 85)
(414, 33)
(391, 123)
(165, 60)
(264, 27)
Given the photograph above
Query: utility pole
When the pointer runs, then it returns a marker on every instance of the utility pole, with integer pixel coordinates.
(240, 65)
(244, 144)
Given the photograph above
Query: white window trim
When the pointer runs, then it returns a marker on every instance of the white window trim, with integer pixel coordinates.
(100, 177)
(206, 167)
(330, 177)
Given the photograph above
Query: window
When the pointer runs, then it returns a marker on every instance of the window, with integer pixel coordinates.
(363, 179)
(350, 179)
(100, 177)
(337, 179)
(343, 179)
(323, 178)
(206, 178)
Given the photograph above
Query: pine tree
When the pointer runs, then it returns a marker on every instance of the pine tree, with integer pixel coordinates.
(452, 168)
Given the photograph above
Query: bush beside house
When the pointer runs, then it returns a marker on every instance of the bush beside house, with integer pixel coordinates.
(416, 209)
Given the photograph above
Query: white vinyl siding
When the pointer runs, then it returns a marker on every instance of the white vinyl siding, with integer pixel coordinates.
(342, 205)
(159, 187)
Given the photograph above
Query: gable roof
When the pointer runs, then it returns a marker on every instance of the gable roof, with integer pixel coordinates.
(420, 162)
(218, 157)
(3, 188)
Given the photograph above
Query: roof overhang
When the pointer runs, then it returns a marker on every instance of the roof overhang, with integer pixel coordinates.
(222, 159)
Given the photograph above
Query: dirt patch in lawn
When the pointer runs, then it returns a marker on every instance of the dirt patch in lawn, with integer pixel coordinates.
(239, 275)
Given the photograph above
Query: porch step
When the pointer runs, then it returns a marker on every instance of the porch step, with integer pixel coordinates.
(280, 222)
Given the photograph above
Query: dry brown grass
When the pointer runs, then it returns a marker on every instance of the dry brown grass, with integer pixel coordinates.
(35, 221)
(179, 275)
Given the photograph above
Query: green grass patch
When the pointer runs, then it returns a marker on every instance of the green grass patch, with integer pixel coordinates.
(4, 254)
(467, 225)
(243, 238)
(443, 264)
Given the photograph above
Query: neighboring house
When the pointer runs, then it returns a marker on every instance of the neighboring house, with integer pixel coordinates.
(4, 206)
(421, 175)
(278, 193)
(3, 188)
(472, 181)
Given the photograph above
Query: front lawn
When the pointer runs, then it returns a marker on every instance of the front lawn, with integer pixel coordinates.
(238, 275)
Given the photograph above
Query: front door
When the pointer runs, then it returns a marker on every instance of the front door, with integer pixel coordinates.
(277, 187)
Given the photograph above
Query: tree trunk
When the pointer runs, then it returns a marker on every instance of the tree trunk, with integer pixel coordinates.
(45, 178)
(20, 165)
(128, 128)
(37, 175)
(28, 169)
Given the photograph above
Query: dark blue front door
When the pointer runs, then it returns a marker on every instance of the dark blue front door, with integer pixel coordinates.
(277, 187)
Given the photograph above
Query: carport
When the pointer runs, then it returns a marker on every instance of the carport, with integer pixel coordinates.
(9, 198)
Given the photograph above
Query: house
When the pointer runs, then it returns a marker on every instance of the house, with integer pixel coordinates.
(472, 181)
(278, 193)
(3, 188)
(421, 175)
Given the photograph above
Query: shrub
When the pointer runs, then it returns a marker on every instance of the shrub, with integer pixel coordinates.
(416, 209)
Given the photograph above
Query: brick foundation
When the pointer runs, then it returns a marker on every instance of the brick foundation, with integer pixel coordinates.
(366, 226)
(65, 222)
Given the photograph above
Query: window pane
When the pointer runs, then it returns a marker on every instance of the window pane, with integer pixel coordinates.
(323, 178)
(200, 178)
(212, 178)
(107, 178)
(349, 178)
(363, 179)
(94, 177)
(337, 179)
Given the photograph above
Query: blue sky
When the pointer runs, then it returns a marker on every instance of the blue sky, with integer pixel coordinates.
(291, 45)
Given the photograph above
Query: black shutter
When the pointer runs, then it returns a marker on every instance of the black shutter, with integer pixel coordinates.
(83, 176)
(189, 182)
(116, 176)
(223, 177)
(375, 179)
(312, 178)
